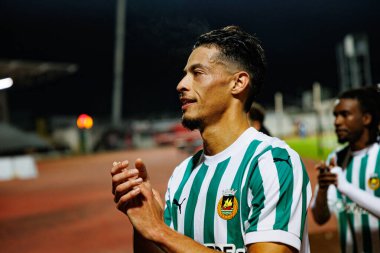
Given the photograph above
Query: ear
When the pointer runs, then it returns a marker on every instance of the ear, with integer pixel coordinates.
(367, 119)
(241, 82)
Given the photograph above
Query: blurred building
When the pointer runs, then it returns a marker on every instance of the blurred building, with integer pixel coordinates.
(354, 62)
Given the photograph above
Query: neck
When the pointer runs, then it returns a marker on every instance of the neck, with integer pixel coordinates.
(219, 135)
(362, 143)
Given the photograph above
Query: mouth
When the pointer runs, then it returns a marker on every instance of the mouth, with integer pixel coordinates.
(340, 131)
(186, 102)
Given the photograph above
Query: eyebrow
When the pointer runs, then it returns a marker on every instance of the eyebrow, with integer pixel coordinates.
(194, 66)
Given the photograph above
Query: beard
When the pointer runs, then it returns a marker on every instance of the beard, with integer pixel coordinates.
(342, 140)
(351, 136)
(192, 124)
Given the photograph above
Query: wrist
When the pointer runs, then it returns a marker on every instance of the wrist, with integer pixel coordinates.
(323, 190)
(159, 234)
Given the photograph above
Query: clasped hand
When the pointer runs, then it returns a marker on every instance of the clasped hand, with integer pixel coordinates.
(134, 195)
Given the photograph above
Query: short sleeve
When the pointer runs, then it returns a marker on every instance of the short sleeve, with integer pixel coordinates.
(280, 193)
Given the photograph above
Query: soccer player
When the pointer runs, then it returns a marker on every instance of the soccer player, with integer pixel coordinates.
(349, 185)
(245, 191)
(256, 116)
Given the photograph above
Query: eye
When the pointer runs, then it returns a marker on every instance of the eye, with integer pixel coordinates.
(197, 72)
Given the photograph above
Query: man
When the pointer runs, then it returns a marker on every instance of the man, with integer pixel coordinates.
(349, 186)
(256, 116)
(245, 192)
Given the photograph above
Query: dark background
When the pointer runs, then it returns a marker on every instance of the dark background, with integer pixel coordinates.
(299, 38)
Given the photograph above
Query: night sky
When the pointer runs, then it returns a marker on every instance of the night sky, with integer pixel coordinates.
(299, 38)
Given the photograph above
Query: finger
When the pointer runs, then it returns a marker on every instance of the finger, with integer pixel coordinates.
(119, 166)
(158, 198)
(320, 165)
(327, 176)
(122, 177)
(126, 187)
(139, 164)
(332, 162)
(326, 180)
(128, 197)
(322, 168)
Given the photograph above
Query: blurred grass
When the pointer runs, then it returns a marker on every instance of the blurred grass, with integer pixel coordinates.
(313, 147)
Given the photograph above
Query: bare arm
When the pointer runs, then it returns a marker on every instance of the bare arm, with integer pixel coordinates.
(269, 247)
(320, 209)
(141, 245)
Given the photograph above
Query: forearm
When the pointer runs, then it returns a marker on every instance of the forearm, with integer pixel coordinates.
(364, 199)
(142, 245)
(319, 208)
(173, 242)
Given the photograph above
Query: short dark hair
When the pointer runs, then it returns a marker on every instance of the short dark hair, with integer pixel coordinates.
(257, 112)
(369, 102)
(240, 48)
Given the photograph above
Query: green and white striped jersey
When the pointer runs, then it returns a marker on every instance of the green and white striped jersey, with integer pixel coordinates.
(363, 172)
(256, 190)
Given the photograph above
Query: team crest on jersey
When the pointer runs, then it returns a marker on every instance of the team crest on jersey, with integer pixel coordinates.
(374, 182)
(228, 205)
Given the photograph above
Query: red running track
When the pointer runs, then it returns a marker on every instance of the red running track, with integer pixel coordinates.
(69, 207)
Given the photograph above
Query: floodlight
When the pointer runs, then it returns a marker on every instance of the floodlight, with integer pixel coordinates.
(5, 83)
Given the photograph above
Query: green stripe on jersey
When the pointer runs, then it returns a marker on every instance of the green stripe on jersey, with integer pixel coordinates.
(343, 230)
(167, 213)
(258, 199)
(377, 171)
(281, 159)
(190, 166)
(305, 182)
(234, 235)
(208, 227)
(193, 198)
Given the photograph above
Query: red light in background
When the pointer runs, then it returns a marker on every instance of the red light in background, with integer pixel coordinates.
(85, 121)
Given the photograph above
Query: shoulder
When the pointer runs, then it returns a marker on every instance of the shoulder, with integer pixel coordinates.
(278, 159)
(277, 150)
(338, 154)
(188, 164)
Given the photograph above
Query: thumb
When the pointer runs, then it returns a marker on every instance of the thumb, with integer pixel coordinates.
(139, 164)
(332, 162)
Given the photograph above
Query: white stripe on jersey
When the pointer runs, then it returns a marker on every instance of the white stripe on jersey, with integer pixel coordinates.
(294, 224)
(269, 175)
(200, 206)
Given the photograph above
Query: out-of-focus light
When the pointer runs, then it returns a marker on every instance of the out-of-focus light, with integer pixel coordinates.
(84, 121)
(5, 83)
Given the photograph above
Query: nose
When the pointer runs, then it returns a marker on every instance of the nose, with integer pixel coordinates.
(338, 120)
(183, 85)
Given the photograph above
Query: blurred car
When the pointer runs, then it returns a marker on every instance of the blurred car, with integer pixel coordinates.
(180, 137)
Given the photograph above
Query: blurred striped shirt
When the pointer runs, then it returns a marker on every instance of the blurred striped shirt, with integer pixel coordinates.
(362, 171)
